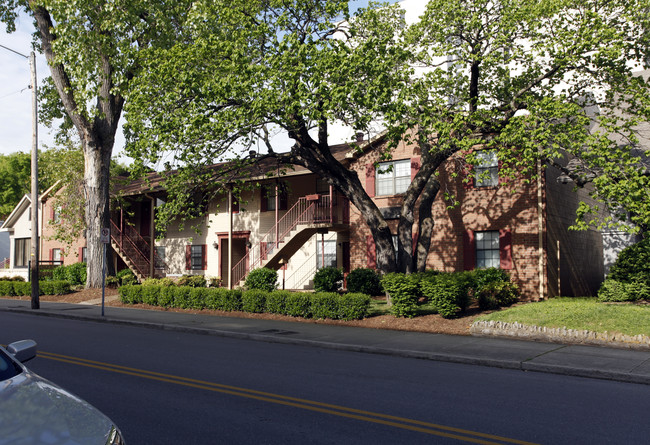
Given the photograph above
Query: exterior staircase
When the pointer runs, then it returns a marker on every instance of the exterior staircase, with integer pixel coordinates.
(135, 251)
(312, 214)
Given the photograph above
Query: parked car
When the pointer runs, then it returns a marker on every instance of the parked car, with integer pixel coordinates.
(34, 410)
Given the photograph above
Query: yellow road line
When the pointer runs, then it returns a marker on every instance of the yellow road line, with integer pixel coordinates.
(337, 410)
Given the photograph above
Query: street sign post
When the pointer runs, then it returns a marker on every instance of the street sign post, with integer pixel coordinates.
(105, 238)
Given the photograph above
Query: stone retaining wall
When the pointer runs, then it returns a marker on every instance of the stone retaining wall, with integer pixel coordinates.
(558, 335)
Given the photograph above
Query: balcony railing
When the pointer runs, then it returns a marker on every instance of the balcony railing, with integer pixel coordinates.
(308, 210)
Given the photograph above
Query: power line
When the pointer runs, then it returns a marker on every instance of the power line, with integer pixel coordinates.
(14, 51)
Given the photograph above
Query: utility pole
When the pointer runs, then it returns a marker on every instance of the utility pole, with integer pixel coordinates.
(35, 248)
(34, 257)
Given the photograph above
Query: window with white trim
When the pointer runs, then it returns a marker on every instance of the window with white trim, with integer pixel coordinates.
(487, 249)
(56, 256)
(22, 252)
(393, 177)
(487, 169)
(329, 259)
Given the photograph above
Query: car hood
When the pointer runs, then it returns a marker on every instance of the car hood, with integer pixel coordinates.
(36, 411)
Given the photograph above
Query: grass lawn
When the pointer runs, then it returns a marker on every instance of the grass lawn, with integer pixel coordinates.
(580, 314)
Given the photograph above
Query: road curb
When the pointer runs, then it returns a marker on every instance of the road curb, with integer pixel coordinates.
(522, 365)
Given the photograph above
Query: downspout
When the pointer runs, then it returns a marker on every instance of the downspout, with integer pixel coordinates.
(230, 219)
(540, 228)
(151, 235)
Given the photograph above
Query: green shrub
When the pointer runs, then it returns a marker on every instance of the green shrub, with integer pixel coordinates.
(182, 297)
(197, 297)
(328, 279)
(632, 262)
(254, 300)
(365, 281)
(158, 282)
(130, 294)
(276, 302)
(22, 288)
(483, 277)
(263, 279)
(7, 288)
(496, 294)
(223, 299)
(76, 274)
(403, 293)
(166, 296)
(298, 304)
(150, 294)
(613, 290)
(214, 281)
(639, 287)
(324, 305)
(126, 277)
(353, 306)
(112, 282)
(59, 273)
(192, 281)
(448, 293)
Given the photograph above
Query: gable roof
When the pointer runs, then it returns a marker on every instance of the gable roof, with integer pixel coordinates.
(24, 204)
(154, 182)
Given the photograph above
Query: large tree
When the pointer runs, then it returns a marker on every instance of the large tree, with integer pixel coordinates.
(91, 48)
(523, 77)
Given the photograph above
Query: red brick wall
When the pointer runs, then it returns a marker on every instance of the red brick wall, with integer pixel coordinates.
(70, 254)
(511, 206)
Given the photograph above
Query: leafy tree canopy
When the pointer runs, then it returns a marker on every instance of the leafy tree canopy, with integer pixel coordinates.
(536, 80)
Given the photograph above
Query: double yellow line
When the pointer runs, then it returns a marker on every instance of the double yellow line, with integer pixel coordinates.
(326, 408)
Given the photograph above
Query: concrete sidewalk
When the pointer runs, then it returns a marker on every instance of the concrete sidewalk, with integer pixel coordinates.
(623, 365)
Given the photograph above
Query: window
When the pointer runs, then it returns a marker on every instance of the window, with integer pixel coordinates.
(56, 256)
(195, 257)
(159, 259)
(268, 197)
(84, 254)
(56, 214)
(487, 169)
(329, 259)
(22, 252)
(394, 181)
(487, 249)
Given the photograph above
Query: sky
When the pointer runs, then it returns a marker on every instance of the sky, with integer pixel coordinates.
(16, 99)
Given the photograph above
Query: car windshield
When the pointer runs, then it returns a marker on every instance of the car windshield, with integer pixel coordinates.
(8, 368)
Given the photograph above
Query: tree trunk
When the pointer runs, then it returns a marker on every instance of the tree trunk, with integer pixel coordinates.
(318, 159)
(97, 212)
(425, 224)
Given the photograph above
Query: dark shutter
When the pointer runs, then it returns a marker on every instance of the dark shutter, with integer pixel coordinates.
(469, 250)
(188, 257)
(284, 199)
(263, 199)
(204, 256)
(371, 252)
(370, 180)
(415, 166)
(505, 249)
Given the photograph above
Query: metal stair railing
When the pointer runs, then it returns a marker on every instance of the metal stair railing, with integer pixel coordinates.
(312, 209)
(135, 248)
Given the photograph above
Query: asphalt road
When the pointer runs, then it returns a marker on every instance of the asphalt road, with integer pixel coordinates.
(165, 387)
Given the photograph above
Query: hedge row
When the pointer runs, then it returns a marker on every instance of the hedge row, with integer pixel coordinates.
(23, 288)
(449, 293)
(296, 304)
